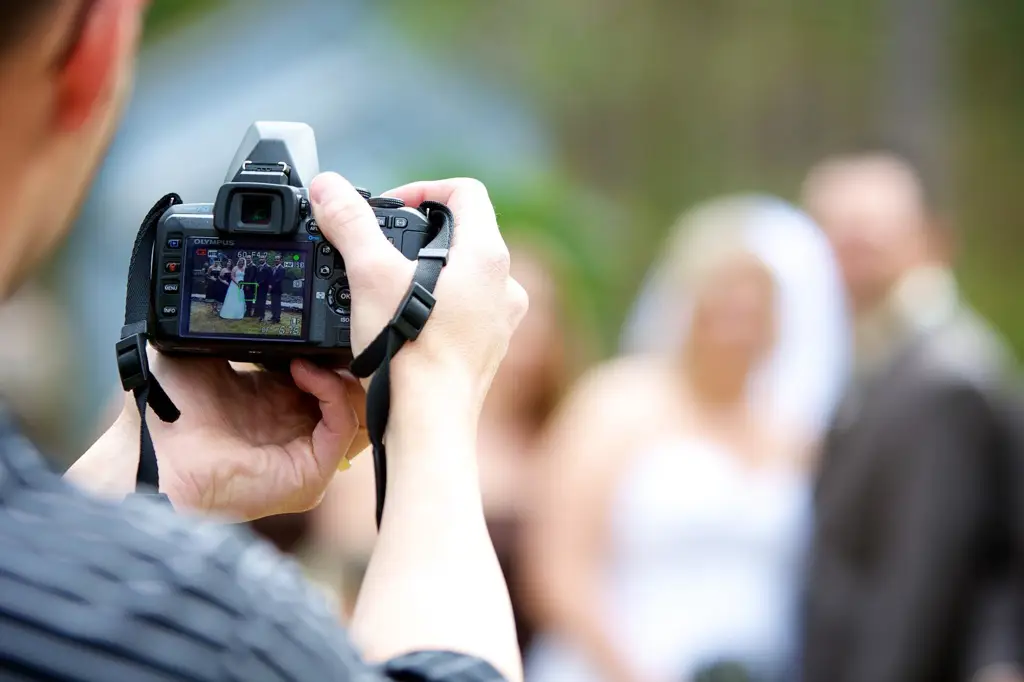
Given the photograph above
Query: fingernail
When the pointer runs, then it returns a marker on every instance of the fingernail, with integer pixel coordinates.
(345, 464)
(318, 189)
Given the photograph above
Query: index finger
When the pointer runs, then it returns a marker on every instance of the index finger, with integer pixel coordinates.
(475, 222)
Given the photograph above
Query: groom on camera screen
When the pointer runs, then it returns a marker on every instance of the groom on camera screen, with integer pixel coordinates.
(276, 285)
(263, 273)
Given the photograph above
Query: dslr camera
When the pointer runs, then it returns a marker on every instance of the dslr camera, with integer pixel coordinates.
(250, 277)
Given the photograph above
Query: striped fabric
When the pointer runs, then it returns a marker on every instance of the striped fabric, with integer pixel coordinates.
(95, 592)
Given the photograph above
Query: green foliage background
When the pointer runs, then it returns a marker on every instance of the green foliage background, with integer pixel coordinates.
(657, 104)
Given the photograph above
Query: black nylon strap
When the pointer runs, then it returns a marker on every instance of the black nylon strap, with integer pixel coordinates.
(406, 326)
(132, 358)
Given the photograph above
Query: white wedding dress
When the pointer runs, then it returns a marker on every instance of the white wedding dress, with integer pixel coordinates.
(234, 301)
(703, 567)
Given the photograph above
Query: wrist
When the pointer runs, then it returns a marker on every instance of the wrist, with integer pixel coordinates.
(107, 469)
(432, 408)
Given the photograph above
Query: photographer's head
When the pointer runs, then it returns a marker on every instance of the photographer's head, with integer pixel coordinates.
(69, 63)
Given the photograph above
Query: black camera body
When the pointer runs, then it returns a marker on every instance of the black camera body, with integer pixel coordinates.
(250, 277)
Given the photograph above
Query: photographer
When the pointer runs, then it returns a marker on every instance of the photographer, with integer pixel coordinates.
(131, 590)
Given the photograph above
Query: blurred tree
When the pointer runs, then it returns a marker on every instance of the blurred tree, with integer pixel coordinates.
(659, 104)
(165, 15)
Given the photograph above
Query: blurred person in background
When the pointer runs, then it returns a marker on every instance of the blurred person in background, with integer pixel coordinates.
(667, 539)
(910, 500)
(541, 359)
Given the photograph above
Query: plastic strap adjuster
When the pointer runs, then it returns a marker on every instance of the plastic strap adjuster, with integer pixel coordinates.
(434, 254)
(132, 361)
(413, 313)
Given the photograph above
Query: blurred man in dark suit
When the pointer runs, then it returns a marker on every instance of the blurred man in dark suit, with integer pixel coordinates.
(910, 542)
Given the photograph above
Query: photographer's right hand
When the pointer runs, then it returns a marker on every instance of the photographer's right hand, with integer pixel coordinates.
(478, 306)
(433, 582)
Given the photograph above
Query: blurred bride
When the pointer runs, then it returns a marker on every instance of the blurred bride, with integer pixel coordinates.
(234, 300)
(667, 542)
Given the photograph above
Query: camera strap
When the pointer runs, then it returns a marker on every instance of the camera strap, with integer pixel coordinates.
(406, 326)
(132, 357)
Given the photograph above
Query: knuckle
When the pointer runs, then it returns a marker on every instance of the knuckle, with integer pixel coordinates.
(519, 301)
(310, 500)
(498, 261)
(337, 215)
(471, 187)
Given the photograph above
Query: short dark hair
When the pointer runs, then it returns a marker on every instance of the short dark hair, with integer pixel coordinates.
(17, 18)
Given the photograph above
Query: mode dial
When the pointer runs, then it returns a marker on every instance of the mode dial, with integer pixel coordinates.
(386, 202)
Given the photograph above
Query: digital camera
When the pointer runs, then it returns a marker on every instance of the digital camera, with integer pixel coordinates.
(250, 277)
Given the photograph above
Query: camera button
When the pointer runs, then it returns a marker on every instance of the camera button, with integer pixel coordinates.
(325, 271)
(172, 266)
(401, 222)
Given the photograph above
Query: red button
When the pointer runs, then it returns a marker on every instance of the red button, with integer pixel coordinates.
(172, 266)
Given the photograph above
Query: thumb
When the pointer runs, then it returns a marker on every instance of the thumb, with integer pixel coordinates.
(348, 222)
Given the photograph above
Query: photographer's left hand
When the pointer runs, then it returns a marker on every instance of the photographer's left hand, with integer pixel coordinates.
(249, 443)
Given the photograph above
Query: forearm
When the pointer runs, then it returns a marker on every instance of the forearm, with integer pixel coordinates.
(433, 582)
(107, 469)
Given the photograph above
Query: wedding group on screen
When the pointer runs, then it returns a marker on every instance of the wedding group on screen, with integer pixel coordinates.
(240, 289)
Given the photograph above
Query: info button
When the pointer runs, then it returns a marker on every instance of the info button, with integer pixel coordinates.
(169, 310)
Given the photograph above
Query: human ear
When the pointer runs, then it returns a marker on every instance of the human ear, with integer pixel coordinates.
(94, 61)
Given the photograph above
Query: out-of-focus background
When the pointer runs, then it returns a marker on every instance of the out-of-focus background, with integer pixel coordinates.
(595, 124)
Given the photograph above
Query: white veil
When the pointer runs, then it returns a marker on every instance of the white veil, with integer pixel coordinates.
(802, 381)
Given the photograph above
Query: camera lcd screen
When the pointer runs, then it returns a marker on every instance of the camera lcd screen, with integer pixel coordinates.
(246, 290)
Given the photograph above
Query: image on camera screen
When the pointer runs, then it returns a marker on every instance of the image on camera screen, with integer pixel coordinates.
(246, 291)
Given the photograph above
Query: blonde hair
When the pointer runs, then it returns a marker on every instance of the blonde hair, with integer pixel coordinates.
(705, 238)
